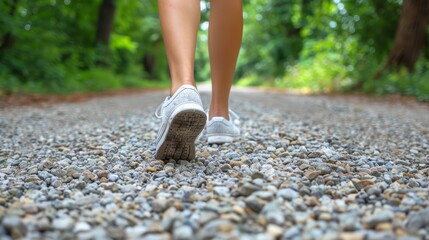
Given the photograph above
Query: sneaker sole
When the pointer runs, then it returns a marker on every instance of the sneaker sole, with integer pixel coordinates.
(184, 126)
(219, 139)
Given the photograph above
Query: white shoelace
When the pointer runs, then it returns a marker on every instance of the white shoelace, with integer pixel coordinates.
(234, 117)
(158, 110)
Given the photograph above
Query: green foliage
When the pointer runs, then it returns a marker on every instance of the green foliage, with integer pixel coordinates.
(401, 82)
(54, 47)
(309, 45)
(325, 46)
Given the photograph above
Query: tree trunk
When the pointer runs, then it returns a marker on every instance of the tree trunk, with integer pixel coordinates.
(410, 34)
(149, 64)
(7, 39)
(106, 15)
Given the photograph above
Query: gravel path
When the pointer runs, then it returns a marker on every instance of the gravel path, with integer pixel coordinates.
(307, 167)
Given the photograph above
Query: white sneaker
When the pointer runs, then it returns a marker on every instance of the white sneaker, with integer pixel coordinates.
(183, 118)
(220, 130)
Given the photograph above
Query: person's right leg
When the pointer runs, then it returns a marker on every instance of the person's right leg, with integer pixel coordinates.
(225, 34)
(183, 116)
(180, 20)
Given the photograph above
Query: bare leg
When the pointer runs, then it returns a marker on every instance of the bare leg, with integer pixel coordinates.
(225, 34)
(179, 22)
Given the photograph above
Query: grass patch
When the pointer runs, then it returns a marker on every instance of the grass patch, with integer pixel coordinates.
(94, 80)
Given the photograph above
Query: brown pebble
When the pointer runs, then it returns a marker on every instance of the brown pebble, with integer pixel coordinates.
(103, 173)
(89, 175)
(225, 227)
(312, 174)
(384, 227)
(360, 184)
(179, 205)
(351, 236)
(151, 169)
(205, 154)
(262, 220)
(235, 163)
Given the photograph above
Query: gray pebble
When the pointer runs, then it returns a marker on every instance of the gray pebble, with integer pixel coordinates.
(64, 223)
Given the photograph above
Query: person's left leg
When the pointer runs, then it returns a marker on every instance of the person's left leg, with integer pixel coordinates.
(225, 35)
(180, 20)
(182, 113)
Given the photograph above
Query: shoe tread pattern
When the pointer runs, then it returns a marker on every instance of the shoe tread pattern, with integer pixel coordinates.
(179, 143)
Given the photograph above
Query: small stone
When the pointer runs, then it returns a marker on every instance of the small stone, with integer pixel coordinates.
(254, 204)
(183, 233)
(287, 194)
(384, 227)
(102, 173)
(2, 202)
(81, 227)
(14, 225)
(380, 235)
(11, 222)
(256, 175)
(152, 169)
(64, 223)
(206, 216)
(352, 235)
(360, 184)
(225, 167)
(159, 205)
(205, 154)
(292, 233)
(324, 216)
(248, 189)
(80, 185)
(274, 217)
(48, 164)
(32, 179)
(43, 224)
(379, 217)
(232, 217)
(235, 163)
(221, 190)
(89, 176)
(324, 169)
(265, 195)
(312, 174)
(30, 208)
(213, 228)
(417, 221)
(23, 164)
(350, 222)
(413, 183)
(113, 177)
(56, 184)
(157, 236)
(274, 230)
(271, 149)
(43, 175)
(328, 152)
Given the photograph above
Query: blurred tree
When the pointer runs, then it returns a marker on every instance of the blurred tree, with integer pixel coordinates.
(410, 34)
(106, 16)
(7, 39)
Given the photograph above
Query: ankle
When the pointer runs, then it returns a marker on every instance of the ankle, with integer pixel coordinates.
(174, 87)
(219, 113)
